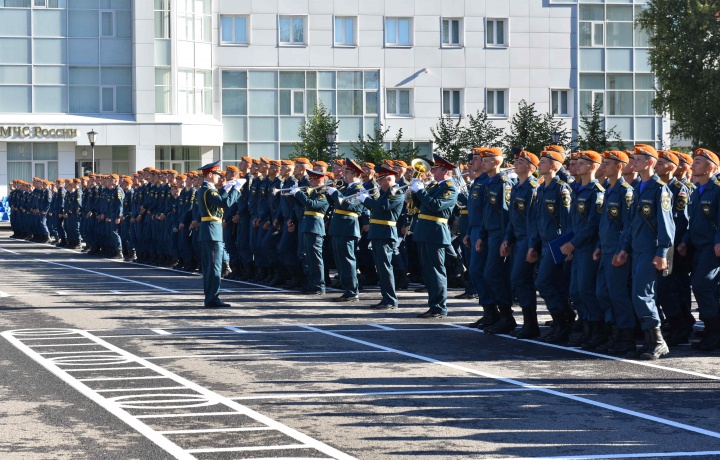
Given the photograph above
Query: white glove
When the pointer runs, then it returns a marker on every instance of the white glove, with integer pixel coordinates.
(294, 190)
(416, 185)
(363, 195)
(229, 185)
(330, 190)
(239, 184)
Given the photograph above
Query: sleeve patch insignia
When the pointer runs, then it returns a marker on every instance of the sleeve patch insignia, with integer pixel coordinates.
(448, 193)
(475, 195)
(665, 201)
(681, 203)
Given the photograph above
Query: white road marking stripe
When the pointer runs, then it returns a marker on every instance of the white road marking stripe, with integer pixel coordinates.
(643, 455)
(139, 389)
(380, 326)
(381, 393)
(11, 252)
(64, 345)
(145, 377)
(212, 334)
(44, 353)
(63, 293)
(234, 329)
(196, 414)
(597, 355)
(109, 276)
(580, 399)
(248, 448)
(105, 369)
(218, 430)
(4, 294)
(160, 331)
(288, 353)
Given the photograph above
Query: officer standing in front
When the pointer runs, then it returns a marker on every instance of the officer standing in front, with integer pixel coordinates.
(649, 238)
(211, 203)
(432, 233)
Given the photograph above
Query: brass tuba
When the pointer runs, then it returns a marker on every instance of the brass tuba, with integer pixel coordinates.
(421, 167)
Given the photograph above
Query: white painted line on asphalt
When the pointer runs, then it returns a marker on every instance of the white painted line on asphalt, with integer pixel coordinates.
(161, 331)
(44, 353)
(104, 369)
(64, 293)
(196, 414)
(235, 329)
(139, 389)
(64, 345)
(381, 393)
(109, 276)
(4, 294)
(146, 377)
(642, 455)
(248, 448)
(549, 391)
(11, 252)
(215, 334)
(268, 355)
(380, 326)
(598, 355)
(218, 430)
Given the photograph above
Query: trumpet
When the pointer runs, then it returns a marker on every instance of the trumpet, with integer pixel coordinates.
(305, 188)
(354, 197)
(275, 191)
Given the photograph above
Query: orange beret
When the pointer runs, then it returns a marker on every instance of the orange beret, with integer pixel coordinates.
(232, 168)
(114, 176)
(182, 176)
(246, 159)
(368, 165)
(684, 158)
(320, 163)
(529, 156)
(669, 156)
(264, 160)
(617, 155)
(128, 180)
(707, 154)
(77, 181)
(553, 155)
(275, 162)
(389, 163)
(590, 155)
(401, 163)
(555, 148)
(255, 161)
(488, 152)
(644, 149)
(303, 160)
(287, 162)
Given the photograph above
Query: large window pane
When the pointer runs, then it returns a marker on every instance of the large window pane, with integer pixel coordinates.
(15, 50)
(50, 99)
(619, 13)
(619, 34)
(15, 23)
(391, 31)
(592, 81)
(83, 23)
(19, 151)
(644, 81)
(49, 51)
(285, 33)
(15, 75)
(49, 23)
(123, 99)
(619, 102)
(20, 170)
(592, 12)
(84, 99)
(619, 60)
(592, 60)
(371, 102)
(234, 102)
(84, 76)
(262, 79)
(231, 79)
(43, 151)
(349, 80)
(263, 129)
(292, 79)
(641, 61)
(15, 99)
(349, 102)
(403, 31)
(643, 103)
(263, 102)
(328, 100)
(45, 75)
(326, 80)
(586, 34)
(619, 81)
(372, 80)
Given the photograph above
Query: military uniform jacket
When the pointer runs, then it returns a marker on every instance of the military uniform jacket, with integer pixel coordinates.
(652, 227)
(476, 202)
(496, 205)
(615, 217)
(115, 203)
(551, 214)
(585, 214)
(44, 200)
(210, 205)
(254, 199)
(273, 201)
(704, 211)
(462, 211)
(368, 185)
(316, 206)
(299, 207)
(127, 203)
(436, 204)
(342, 224)
(59, 201)
(680, 193)
(384, 210)
(522, 202)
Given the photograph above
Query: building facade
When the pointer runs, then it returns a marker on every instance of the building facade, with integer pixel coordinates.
(176, 83)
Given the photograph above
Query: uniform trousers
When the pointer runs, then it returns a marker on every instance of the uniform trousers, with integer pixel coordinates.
(550, 283)
(243, 239)
(288, 247)
(522, 277)
(478, 260)
(583, 281)
(211, 260)
(670, 291)
(644, 278)
(706, 281)
(383, 250)
(315, 267)
(613, 292)
(343, 248)
(432, 261)
(497, 270)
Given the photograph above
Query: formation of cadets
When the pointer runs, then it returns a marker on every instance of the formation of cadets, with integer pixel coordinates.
(613, 242)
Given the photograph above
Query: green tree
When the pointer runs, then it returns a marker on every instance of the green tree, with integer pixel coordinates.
(401, 150)
(313, 135)
(531, 131)
(684, 40)
(371, 147)
(481, 132)
(449, 139)
(593, 135)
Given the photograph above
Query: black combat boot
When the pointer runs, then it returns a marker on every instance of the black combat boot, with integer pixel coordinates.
(491, 315)
(559, 331)
(625, 344)
(656, 346)
(711, 337)
(577, 338)
(530, 328)
(505, 324)
(598, 336)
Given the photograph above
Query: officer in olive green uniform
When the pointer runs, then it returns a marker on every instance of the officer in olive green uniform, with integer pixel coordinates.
(385, 212)
(211, 203)
(312, 230)
(432, 234)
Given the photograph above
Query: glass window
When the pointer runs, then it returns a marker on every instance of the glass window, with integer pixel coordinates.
(643, 103)
(292, 30)
(345, 31)
(398, 31)
(560, 104)
(644, 81)
(292, 79)
(83, 23)
(641, 61)
(619, 81)
(620, 13)
(586, 101)
(234, 102)
(107, 99)
(619, 34)
(451, 32)
(451, 102)
(372, 80)
(592, 59)
(326, 80)
(263, 102)
(15, 99)
(619, 102)
(233, 29)
(15, 23)
(84, 99)
(589, 81)
(371, 102)
(592, 12)
(495, 102)
(50, 99)
(49, 23)
(234, 79)
(15, 50)
(641, 38)
(495, 32)
(14, 75)
(107, 23)
(349, 80)
(163, 90)
(262, 79)
(350, 102)
(398, 102)
(46, 75)
(619, 60)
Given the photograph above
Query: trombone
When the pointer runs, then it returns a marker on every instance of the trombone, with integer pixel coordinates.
(305, 188)
(354, 196)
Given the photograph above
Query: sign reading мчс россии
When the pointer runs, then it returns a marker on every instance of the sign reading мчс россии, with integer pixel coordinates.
(35, 132)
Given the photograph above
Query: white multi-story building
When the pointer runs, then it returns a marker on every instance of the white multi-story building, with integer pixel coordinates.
(176, 83)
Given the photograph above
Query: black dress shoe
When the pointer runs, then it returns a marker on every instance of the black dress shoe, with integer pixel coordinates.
(431, 314)
(348, 298)
(217, 303)
(421, 289)
(384, 306)
(466, 295)
(311, 292)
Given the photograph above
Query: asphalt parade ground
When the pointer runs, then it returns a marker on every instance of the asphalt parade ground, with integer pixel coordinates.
(112, 360)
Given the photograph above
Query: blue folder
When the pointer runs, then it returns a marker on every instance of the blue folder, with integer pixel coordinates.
(555, 245)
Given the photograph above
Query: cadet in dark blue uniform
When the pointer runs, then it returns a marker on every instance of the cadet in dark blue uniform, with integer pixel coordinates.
(211, 203)
(432, 235)
(551, 219)
(522, 277)
(704, 236)
(649, 238)
(312, 230)
(612, 288)
(345, 230)
(492, 233)
(385, 212)
(584, 220)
